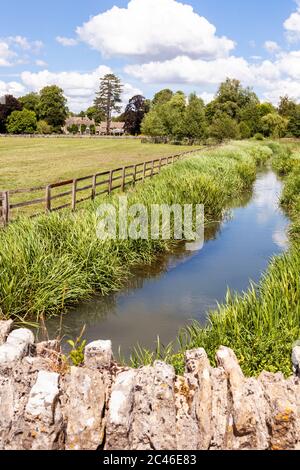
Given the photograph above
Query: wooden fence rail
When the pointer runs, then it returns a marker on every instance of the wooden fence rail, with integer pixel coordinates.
(73, 193)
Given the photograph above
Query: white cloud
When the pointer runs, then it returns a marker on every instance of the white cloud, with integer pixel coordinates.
(207, 97)
(292, 25)
(272, 47)
(6, 54)
(79, 88)
(160, 29)
(11, 88)
(185, 70)
(41, 63)
(26, 45)
(14, 50)
(67, 42)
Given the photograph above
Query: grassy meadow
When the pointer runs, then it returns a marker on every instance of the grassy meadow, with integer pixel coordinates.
(29, 162)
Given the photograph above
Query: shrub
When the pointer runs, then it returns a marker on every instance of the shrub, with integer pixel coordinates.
(22, 122)
(43, 128)
(283, 161)
(245, 131)
(258, 136)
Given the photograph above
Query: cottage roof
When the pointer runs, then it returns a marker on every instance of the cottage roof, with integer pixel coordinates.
(79, 121)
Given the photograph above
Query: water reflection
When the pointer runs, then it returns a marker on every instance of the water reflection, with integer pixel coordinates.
(182, 286)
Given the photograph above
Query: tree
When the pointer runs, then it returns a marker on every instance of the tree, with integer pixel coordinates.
(294, 123)
(22, 122)
(266, 108)
(250, 119)
(10, 104)
(232, 98)
(287, 107)
(108, 98)
(224, 127)
(194, 119)
(274, 125)
(31, 101)
(97, 114)
(162, 97)
(134, 114)
(153, 125)
(172, 115)
(245, 131)
(43, 128)
(53, 107)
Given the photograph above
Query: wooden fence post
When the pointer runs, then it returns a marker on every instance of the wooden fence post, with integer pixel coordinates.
(134, 174)
(159, 167)
(5, 207)
(144, 171)
(48, 198)
(123, 178)
(152, 169)
(110, 183)
(74, 190)
(94, 187)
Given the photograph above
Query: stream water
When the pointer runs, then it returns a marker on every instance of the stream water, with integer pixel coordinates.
(184, 286)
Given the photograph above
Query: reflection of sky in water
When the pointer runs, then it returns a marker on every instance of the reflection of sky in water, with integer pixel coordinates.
(163, 300)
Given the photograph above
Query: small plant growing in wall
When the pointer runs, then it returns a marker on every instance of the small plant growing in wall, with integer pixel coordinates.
(76, 355)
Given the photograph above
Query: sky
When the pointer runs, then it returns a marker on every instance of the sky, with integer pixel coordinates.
(191, 45)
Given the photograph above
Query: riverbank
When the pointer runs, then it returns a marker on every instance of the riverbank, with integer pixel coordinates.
(263, 324)
(52, 262)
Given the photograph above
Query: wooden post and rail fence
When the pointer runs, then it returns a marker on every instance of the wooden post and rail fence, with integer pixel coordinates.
(94, 185)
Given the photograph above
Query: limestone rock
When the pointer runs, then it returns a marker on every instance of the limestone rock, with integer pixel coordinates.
(120, 411)
(187, 431)
(44, 424)
(5, 329)
(282, 418)
(43, 396)
(85, 410)
(221, 420)
(6, 408)
(98, 355)
(154, 414)
(48, 348)
(248, 405)
(296, 360)
(16, 347)
(200, 397)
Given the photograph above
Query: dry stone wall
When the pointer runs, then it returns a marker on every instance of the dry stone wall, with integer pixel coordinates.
(46, 405)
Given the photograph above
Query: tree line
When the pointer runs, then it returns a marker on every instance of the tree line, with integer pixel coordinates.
(235, 113)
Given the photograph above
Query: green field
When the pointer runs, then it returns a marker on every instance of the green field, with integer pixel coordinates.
(33, 162)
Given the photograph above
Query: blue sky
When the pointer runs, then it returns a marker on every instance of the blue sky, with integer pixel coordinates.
(150, 44)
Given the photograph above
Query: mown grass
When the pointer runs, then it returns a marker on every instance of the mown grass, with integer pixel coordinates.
(34, 162)
(52, 262)
(37, 162)
(263, 324)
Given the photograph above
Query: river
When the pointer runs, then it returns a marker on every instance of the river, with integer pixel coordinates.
(184, 286)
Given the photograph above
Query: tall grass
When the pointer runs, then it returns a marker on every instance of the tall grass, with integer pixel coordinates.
(52, 262)
(261, 325)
